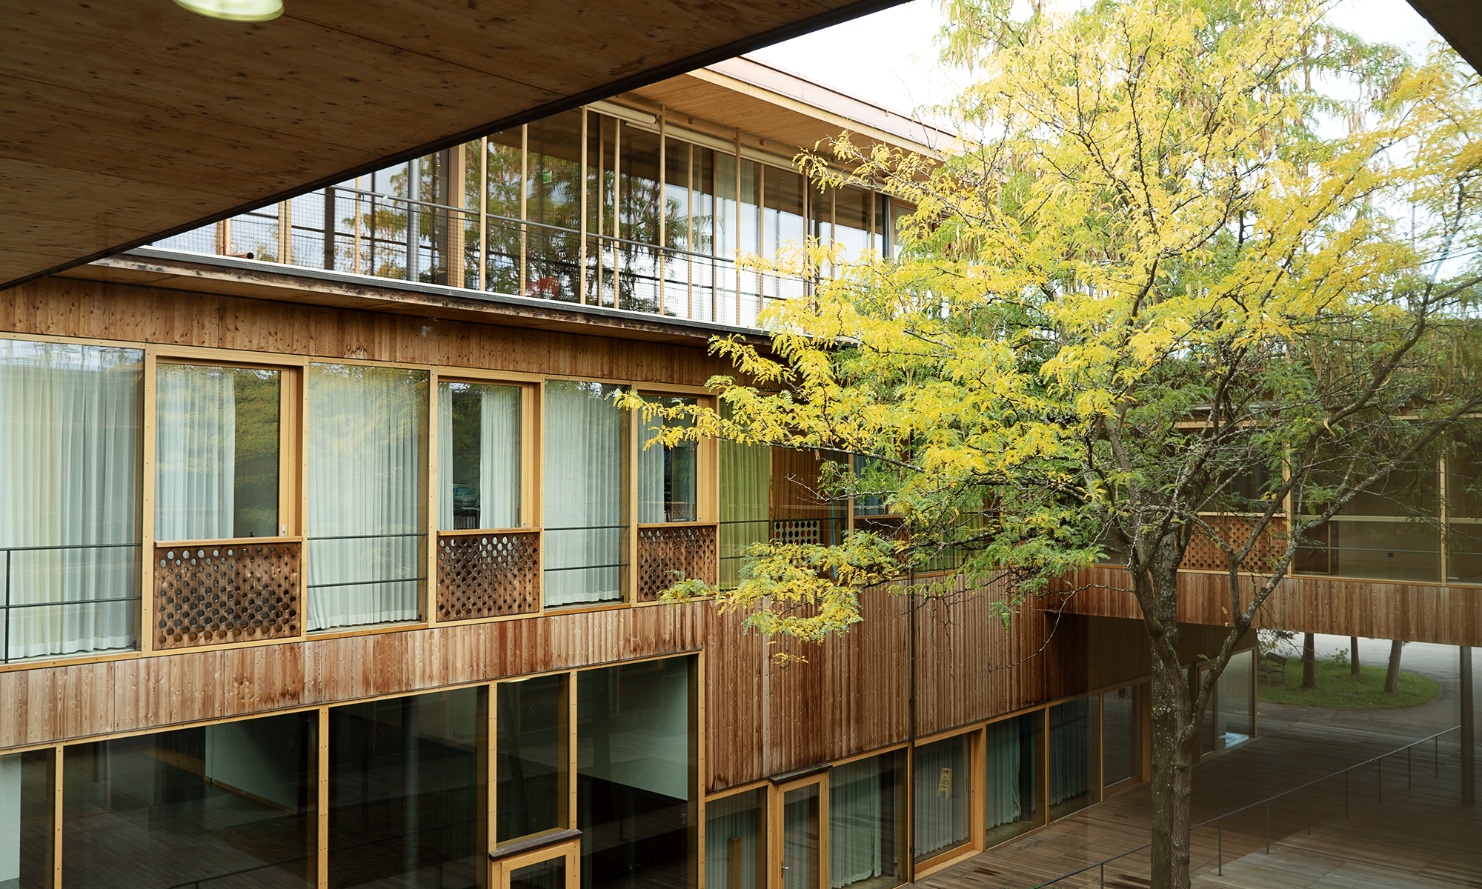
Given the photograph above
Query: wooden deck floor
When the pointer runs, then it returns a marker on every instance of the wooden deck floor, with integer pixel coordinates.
(1397, 824)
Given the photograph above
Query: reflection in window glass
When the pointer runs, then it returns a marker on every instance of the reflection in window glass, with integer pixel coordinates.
(553, 206)
(801, 857)
(1229, 720)
(585, 461)
(1389, 531)
(229, 800)
(531, 745)
(1121, 751)
(69, 481)
(1015, 780)
(668, 474)
(478, 441)
(634, 774)
(940, 774)
(866, 821)
(26, 832)
(367, 431)
(736, 841)
(502, 157)
(405, 799)
(1072, 757)
(216, 452)
(1464, 511)
(548, 874)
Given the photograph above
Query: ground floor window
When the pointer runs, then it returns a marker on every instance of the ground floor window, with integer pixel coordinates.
(1014, 750)
(866, 818)
(941, 780)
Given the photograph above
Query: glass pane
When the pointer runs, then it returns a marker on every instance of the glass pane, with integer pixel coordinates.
(548, 874)
(405, 799)
(941, 796)
(1389, 531)
(1121, 752)
(634, 774)
(478, 456)
(216, 452)
(745, 511)
(367, 434)
(668, 474)
(736, 841)
(638, 221)
(230, 805)
(502, 158)
(866, 822)
(553, 207)
(26, 832)
(69, 481)
(1072, 757)
(801, 859)
(585, 464)
(531, 744)
(852, 221)
(1236, 724)
(1464, 511)
(1014, 776)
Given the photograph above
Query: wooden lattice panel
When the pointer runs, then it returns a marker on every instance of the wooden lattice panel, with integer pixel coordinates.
(689, 550)
(225, 592)
(1204, 555)
(488, 574)
(797, 531)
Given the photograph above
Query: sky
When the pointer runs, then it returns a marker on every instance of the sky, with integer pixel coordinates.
(889, 58)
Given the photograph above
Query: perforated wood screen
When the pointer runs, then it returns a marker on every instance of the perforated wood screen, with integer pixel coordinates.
(226, 592)
(666, 554)
(1204, 555)
(487, 574)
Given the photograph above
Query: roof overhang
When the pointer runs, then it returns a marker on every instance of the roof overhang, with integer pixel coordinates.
(1458, 22)
(128, 120)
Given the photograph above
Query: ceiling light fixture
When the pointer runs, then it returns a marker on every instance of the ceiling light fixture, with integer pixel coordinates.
(235, 10)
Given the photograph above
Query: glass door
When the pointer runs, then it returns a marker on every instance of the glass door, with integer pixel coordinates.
(552, 867)
(803, 814)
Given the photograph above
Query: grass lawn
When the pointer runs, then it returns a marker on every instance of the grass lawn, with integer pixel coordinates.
(1337, 690)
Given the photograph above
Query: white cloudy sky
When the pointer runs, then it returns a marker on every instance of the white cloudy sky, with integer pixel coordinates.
(889, 59)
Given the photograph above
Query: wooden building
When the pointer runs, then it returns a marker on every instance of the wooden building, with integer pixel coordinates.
(328, 562)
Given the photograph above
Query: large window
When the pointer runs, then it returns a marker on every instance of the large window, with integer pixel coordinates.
(1015, 776)
(941, 776)
(586, 459)
(736, 841)
(26, 831)
(216, 452)
(367, 433)
(228, 804)
(479, 448)
(1073, 757)
(866, 819)
(69, 505)
(668, 475)
(532, 740)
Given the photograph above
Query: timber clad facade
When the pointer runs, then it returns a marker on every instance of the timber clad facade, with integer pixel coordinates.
(335, 566)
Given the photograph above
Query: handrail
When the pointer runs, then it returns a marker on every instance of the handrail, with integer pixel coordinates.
(1101, 865)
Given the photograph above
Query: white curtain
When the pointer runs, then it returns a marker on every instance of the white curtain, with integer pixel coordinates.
(366, 430)
(651, 475)
(800, 839)
(69, 430)
(498, 435)
(745, 481)
(195, 453)
(1004, 765)
(731, 833)
(584, 455)
(940, 794)
(1070, 738)
(856, 820)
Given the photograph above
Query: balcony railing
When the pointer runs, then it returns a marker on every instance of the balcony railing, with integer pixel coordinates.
(399, 239)
(68, 599)
(668, 553)
(487, 574)
(226, 591)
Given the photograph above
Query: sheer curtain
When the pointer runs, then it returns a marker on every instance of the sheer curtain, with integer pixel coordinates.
(941, 796)
(732, 843)
(69, 430)
(366, 430)
(1004, 764)
(195, 453)
(1070, 738)
(584, 456)
(745, 479)
(497, 434)
(856, 819)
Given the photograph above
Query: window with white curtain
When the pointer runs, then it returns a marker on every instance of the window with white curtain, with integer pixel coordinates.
(586, 448)
(1014, 753)
(865, 818)
(478, 460)
(736, 841)
(1074, 756)
(668, 475)
(367, 434)
(941, 773)
(216, 463)
(69, 505)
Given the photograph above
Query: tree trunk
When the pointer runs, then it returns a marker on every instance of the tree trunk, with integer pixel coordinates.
(1173, 776)
(1353, 660)
(1392, 673)
(1309, 660)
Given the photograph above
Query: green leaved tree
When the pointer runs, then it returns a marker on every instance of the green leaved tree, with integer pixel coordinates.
(1202, 257)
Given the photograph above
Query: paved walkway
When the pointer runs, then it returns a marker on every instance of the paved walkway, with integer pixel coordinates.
(1397, 824)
